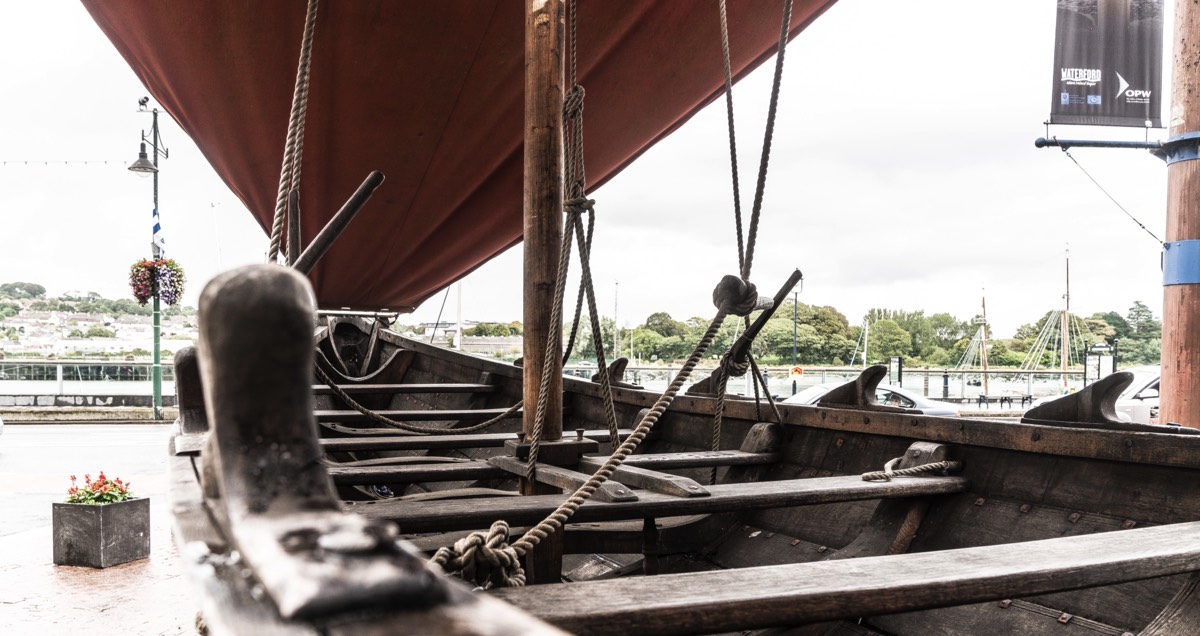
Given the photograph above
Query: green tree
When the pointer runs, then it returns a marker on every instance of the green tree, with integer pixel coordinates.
(888, 339)
(662, 323)
(1142, 323)
(1113, 319)
(22, 290)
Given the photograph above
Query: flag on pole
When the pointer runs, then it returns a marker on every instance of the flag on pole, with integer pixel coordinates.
(158, 242)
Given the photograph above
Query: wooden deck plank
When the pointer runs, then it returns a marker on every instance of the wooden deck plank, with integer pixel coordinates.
(430, 442)
(322, 389)
(368, 475)
(701, 459)
(783, 595)
(651, 480)
(465, 515)
(412, 415)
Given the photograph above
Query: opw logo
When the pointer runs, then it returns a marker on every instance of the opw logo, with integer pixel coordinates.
(1132, 96)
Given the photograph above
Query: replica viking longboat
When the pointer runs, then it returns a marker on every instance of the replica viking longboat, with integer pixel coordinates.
(325, 489)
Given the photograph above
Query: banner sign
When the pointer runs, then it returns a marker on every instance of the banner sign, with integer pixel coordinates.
(1108, 63)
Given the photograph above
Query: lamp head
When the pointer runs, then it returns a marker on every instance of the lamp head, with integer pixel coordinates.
(143, 166)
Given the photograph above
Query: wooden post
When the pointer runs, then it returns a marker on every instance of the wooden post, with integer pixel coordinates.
(1180, 384)
(543, 203)
(544, 22)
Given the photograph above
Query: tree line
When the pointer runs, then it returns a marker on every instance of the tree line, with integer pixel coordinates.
(18, 296)
(821, 335)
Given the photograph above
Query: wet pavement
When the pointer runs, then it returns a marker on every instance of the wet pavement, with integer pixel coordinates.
(149, 596)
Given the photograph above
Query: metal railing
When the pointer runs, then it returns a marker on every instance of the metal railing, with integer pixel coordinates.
(76, 377)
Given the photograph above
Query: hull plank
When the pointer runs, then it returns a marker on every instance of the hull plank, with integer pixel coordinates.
(804, 593)
(466, 515)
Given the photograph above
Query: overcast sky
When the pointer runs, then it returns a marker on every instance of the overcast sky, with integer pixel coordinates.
(903, 175)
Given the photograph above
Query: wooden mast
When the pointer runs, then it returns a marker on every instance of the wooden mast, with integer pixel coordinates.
(543, 205)
(983, 344)
(1180, 383)
(544, 27)
(1065, 340)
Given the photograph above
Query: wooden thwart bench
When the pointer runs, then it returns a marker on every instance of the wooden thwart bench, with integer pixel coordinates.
(473, 514)
(783, 595)
(412, 415)
(322, 389)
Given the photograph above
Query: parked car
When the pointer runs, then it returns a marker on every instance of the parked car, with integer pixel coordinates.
(1, 426)
(1140, 401)
(885, 394)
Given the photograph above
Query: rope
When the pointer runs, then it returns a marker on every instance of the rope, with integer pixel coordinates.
(1110, 197)
(737, 193)
(887, 473)
(556, 519)
(485, 559)
(768, 134)
(449, 558)
(289, 175)
(406, 426)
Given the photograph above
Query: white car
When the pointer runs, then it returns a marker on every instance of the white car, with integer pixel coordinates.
(1139, 402)
(885, 394)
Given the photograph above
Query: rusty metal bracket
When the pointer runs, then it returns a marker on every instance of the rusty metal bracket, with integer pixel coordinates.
(262, 473)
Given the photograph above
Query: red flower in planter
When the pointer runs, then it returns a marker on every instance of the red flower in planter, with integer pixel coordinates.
(99, 491)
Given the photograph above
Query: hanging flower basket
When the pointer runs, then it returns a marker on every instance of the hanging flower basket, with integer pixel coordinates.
(162, 278)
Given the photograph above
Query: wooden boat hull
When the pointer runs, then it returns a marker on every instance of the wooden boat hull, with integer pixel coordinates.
(1047, 528)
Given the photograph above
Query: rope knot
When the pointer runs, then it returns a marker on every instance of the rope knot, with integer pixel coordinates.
(739, 297)
(485, 559)
(573, 102)
(579, 205)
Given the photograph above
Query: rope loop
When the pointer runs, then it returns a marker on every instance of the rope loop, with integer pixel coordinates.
(735, 296)
(485, 559)
(887, 473)
(735, 368)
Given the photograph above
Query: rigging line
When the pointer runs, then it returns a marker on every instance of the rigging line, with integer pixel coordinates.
(433, 333)
(772, 109)
(737, 194)
(293, 150)
(1110, 197)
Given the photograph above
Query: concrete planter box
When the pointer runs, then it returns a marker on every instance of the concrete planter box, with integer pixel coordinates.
(101, 535)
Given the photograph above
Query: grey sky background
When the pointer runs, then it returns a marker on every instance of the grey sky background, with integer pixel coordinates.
(903, 175)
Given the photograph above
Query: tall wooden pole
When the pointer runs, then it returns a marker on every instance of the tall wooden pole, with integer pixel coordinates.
(983, 334)
(544, 27)
(1180, 384)
(543, 204)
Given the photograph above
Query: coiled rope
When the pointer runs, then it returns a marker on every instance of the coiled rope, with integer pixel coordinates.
(289, 175)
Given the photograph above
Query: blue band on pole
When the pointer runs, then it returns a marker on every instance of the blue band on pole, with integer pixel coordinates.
(1181, 263)
(1185, 147)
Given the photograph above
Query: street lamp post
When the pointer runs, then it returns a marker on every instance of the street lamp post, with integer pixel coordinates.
(147, 166)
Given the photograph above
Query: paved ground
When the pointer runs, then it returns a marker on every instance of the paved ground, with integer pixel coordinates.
(145, 597)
